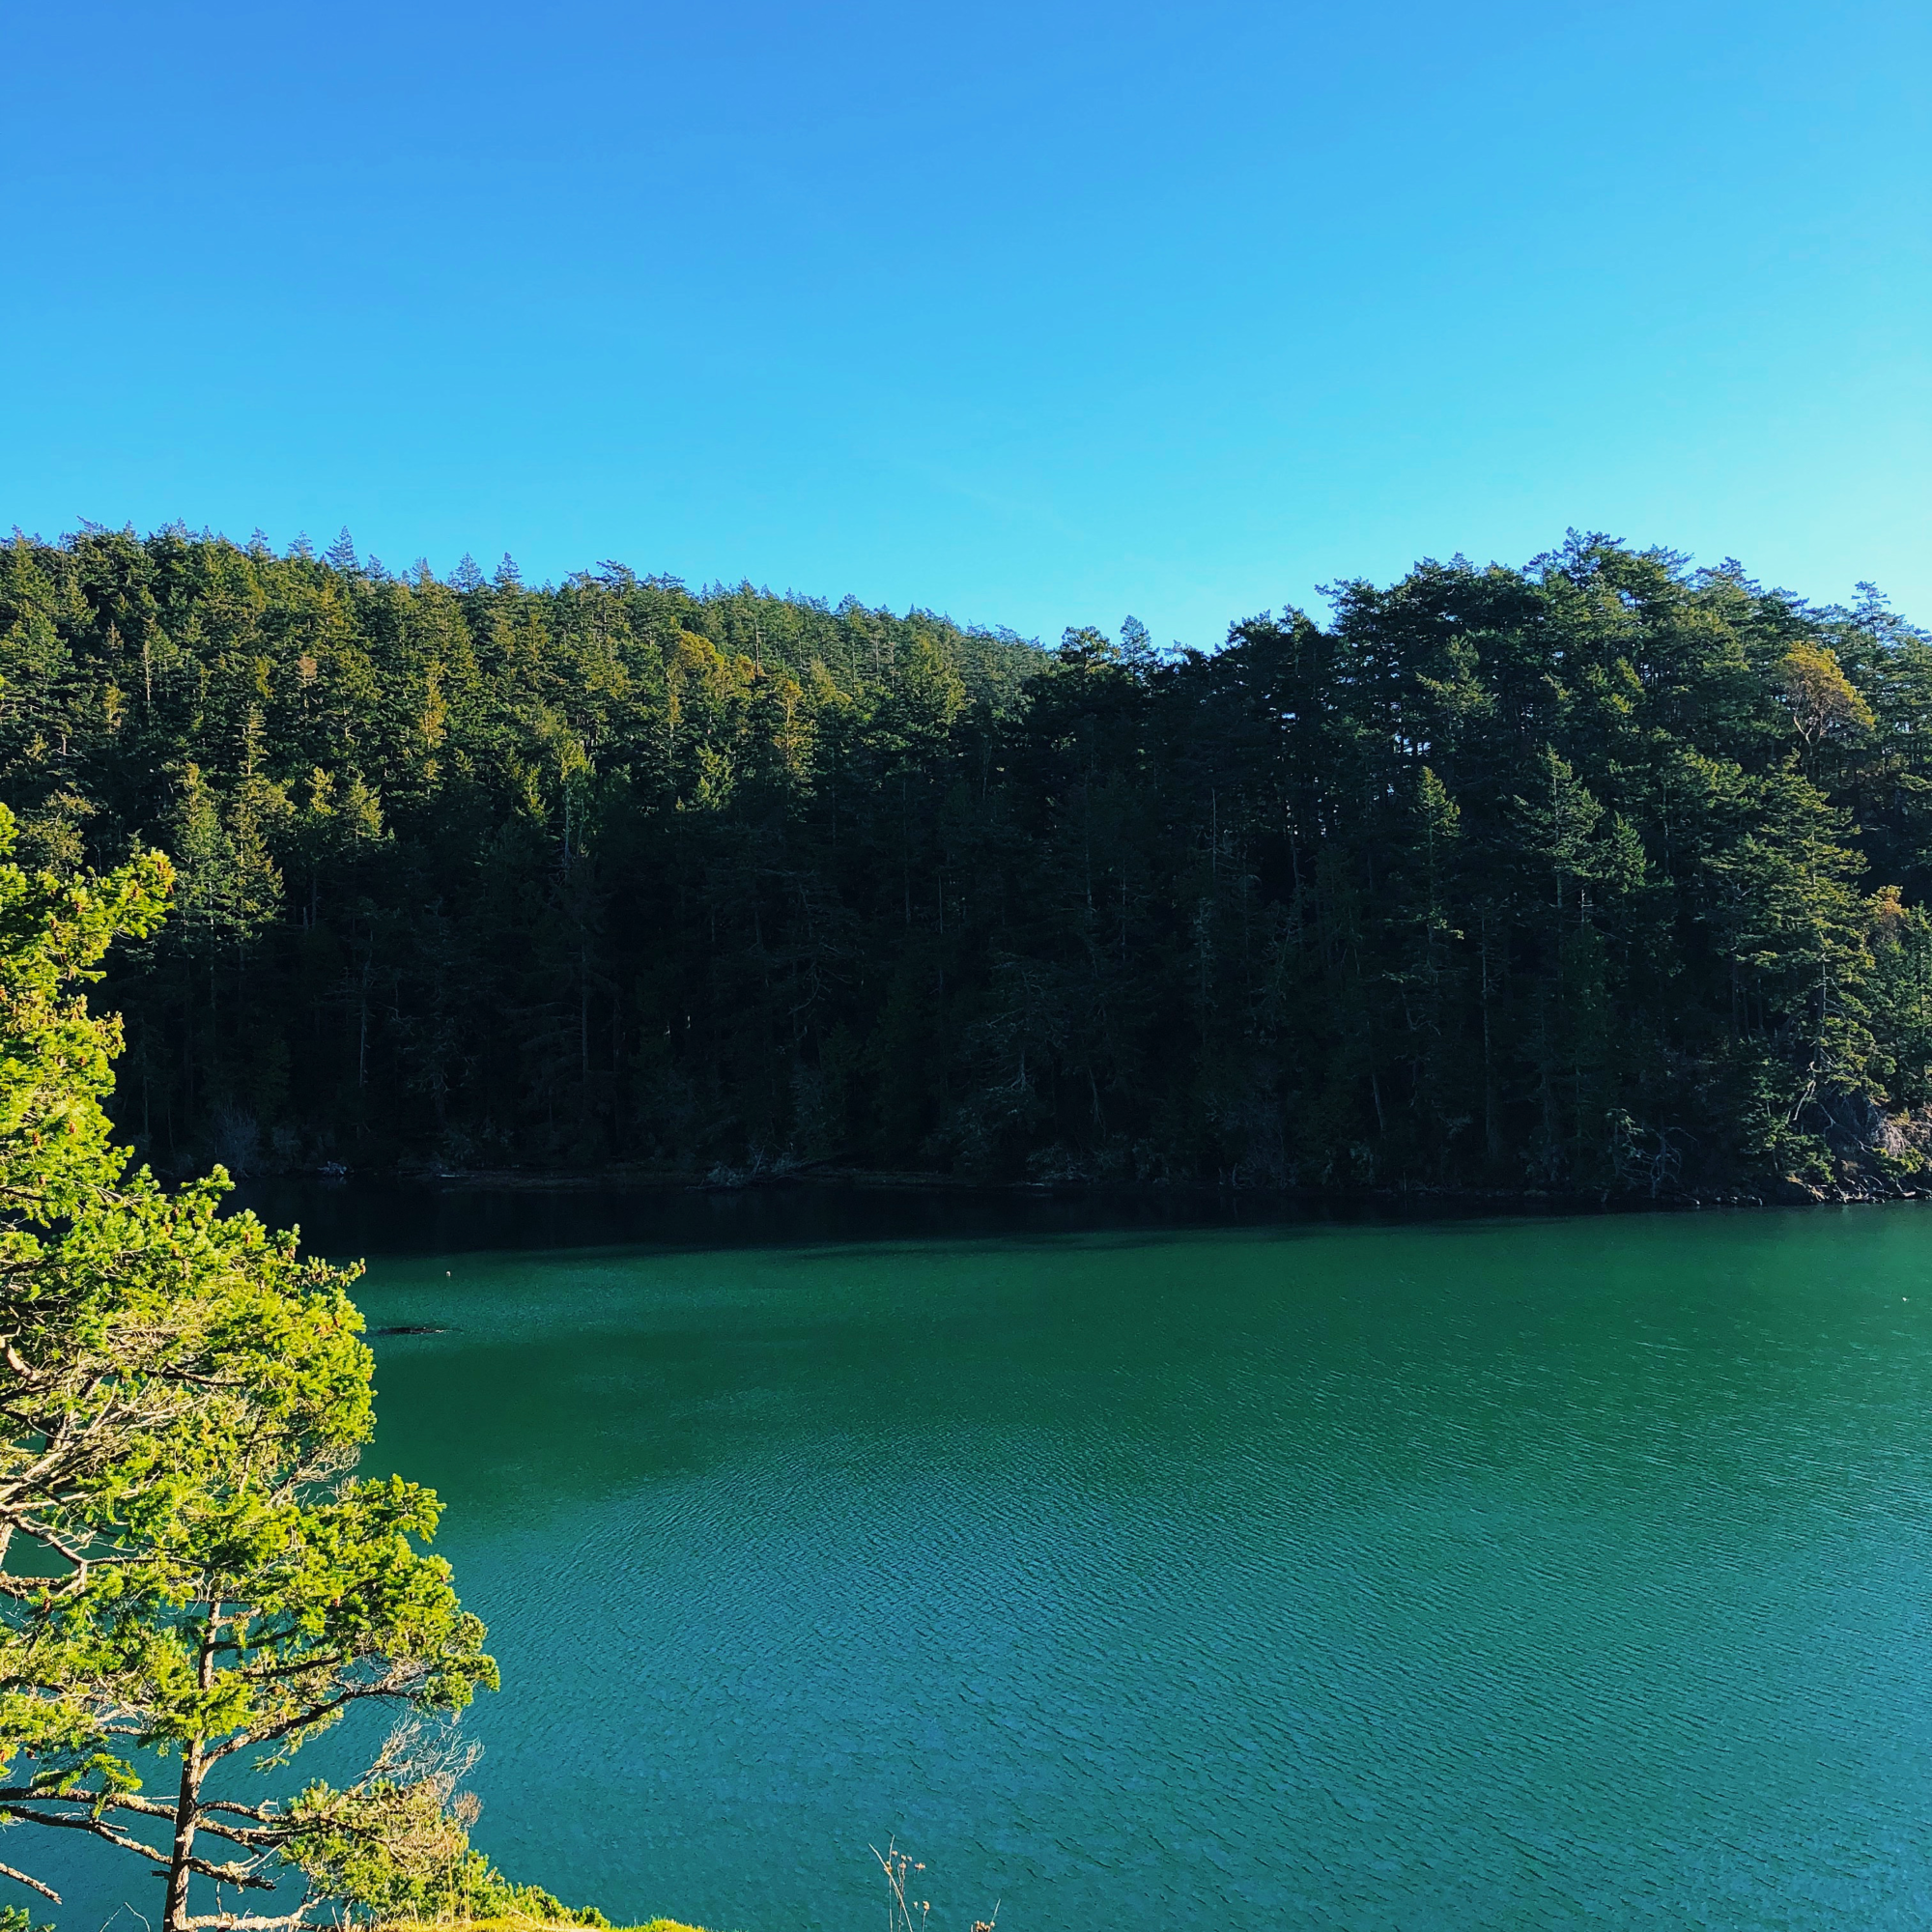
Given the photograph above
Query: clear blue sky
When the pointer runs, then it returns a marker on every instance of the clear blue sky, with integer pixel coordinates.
(1036, 314)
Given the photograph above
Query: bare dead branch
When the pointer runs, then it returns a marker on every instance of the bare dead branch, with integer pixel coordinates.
(32, 1883)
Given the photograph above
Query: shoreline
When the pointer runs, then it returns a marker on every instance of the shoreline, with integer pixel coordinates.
(621, 1177)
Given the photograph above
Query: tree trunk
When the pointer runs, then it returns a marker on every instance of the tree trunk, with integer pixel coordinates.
(362, 1021)
(1493, 1146)
(188, 1801)
(187, 1808)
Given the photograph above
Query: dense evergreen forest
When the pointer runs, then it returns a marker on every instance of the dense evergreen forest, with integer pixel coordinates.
(1600, 874)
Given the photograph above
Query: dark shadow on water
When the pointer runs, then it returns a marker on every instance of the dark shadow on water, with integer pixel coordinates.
(355, 1216)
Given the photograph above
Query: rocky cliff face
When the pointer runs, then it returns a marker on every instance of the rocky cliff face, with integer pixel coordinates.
(1878, 1154)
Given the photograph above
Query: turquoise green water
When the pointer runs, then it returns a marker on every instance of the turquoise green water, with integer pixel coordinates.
(1475, 1575)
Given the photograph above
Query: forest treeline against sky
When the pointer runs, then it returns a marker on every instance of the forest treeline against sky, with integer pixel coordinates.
(1602, 873)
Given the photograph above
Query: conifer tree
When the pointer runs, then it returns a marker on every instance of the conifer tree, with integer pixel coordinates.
(189, 1571)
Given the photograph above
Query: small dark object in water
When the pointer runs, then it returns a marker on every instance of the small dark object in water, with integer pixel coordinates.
(412, 1329)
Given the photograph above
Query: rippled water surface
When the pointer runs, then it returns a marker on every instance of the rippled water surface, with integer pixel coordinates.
(1477, 1574)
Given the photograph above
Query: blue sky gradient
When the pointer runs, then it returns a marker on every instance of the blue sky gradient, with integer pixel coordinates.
(1035, 314)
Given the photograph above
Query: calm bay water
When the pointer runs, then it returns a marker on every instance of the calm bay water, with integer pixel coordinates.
(1474, 1574)
(1482, 1574)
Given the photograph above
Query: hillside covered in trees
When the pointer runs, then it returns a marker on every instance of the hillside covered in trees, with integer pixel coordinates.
(1601, 874)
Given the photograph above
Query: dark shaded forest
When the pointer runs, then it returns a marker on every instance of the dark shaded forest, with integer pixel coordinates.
(1603, 874)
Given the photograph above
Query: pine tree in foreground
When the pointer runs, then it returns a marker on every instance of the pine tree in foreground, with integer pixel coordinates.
(192, 1581)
